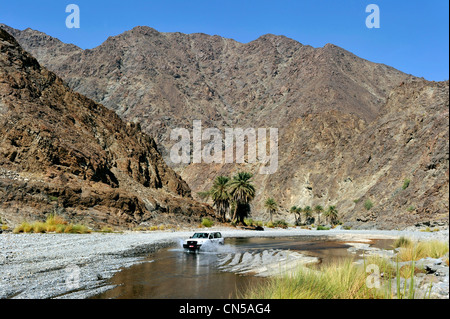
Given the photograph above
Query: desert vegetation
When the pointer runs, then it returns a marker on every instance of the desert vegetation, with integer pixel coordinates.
(346, 279)
(232, 196)
(53, 224)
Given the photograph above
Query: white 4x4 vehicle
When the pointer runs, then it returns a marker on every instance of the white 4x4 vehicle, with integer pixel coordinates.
(198, 239)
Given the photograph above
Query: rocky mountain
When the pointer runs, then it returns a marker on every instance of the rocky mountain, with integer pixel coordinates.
(167, 80)
(62, 152)
(350, 131)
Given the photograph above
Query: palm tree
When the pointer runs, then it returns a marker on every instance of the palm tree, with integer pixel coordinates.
(271, 206)
(293, 210)
(318, 209)
(242, 193)
(219, 195)
(333, 214)
(299, 212)
(307, 211)
(327, 215)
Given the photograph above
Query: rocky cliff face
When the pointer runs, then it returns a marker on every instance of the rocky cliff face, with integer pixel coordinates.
(349, 130)
(60, 151)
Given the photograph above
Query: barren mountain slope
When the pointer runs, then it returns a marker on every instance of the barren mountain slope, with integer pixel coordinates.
(399, 162)
(60, 151)
(167, 80)
(349, 130)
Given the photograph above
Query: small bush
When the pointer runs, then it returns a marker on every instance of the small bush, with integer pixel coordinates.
(24, 227)
(53, 223)
(68, 229)
(411, 208)
(322, 228)
(80, 229)
(280, 223)
(270, 224)
(106, 229)
(39, 227)
(53, 198)
(342, 280)
(402, 242)
(53, 219)
(419, 250)
(406, 183)
(60, 228)
(207, 222)
(406, 271)
(368, 204)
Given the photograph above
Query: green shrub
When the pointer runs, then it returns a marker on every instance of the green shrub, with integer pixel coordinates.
(24, 227)
(368, 204)
(342, 280)
(53, 223)
(419, 250)
(322, 228)
(406, 183)
(280, 223)
(79, 229)
(60, 228)
(270, 225)
(39, 227)
(53, 198)
(402, 242)
(207, 222)
(249, 221)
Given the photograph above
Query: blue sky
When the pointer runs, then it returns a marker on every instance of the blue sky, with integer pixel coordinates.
(413, 35)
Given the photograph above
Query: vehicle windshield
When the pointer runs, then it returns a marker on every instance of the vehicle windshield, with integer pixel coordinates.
(200, 235)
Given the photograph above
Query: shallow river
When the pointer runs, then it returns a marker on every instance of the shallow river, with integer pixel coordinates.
(174, 273)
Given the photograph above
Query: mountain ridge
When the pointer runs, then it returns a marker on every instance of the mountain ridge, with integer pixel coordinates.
(327, 103)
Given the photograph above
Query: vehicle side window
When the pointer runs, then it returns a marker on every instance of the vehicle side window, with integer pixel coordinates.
(211, 236)
(217, 235)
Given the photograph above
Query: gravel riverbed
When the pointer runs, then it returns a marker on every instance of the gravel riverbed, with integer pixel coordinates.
(35, 266)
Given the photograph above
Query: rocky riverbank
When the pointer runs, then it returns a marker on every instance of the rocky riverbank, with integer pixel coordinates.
(79, 266)
(431, 278)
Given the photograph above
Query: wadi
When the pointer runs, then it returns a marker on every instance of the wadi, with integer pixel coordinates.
(112, 155)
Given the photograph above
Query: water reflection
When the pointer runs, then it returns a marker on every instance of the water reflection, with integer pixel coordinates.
(175, 274)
